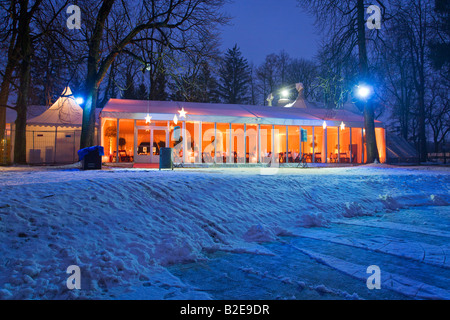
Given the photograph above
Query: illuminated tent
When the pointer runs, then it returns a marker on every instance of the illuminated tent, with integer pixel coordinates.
(234, 133)
(54, 136)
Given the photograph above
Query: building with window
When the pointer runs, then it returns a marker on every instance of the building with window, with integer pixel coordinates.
(201, 133)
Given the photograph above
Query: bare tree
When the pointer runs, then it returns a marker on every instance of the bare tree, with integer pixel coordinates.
(176, 24)
(394, 71)
(419, 35)
(304, 71)
(345, 24)
(267, 76)
(438, 112)
(29, 22)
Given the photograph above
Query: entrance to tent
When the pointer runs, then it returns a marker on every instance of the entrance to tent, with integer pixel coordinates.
(148, 142)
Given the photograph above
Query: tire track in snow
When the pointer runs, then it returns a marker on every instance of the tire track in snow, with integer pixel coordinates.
(425, 253)
(391, 281)
(396, 226)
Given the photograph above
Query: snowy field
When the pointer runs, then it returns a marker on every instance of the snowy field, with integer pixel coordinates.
(225, 233)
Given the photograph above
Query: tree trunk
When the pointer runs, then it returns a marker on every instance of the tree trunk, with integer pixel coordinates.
(20, 143)
(4, 95)
(93, 78)
(88, 126)
(423, 153)
(369, 116)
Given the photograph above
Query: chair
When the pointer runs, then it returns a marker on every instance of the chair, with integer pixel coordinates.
(123, 156)
(318, 158)
(207, 158)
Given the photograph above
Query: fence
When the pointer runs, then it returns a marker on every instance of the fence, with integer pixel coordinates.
(51, 146)
(439, 157)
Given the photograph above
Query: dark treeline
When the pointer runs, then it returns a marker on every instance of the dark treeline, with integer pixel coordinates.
(161, 50)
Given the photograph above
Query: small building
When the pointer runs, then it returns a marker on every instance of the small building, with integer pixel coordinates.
(53, 136)
(203, 133)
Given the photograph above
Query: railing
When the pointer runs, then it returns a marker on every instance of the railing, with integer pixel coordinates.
(439, 157)
(51, 147)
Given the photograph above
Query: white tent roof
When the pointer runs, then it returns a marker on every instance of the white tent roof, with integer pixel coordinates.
(64, 112)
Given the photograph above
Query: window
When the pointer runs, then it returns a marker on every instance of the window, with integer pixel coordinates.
(266, 143)
(238, 143)
(357, 145)
(280, 144)
(308, 148)
(332, 145)
(381, 143)
(252, 143)
(126, 140)
(193, 154)
(110, 139)
(294, 152)
(208, 142)
(344, 142)
(320, 148)
(223, 143)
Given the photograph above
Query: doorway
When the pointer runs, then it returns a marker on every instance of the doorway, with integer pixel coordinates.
(148, 143)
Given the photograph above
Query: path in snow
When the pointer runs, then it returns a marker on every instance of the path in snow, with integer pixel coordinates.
(326, 263)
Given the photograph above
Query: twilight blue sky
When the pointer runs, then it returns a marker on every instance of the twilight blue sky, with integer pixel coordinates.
(261, 27)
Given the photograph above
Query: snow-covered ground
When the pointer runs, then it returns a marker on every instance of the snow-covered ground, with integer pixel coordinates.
(225, 233)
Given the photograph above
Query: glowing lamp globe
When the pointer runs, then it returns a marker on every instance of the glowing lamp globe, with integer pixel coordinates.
(79, 100)
(364, 92)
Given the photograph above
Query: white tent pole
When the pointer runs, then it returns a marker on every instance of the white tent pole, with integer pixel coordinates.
(287, 144)
(117, 141)
(184, 142)
(351, 146)
(259, 143)
(273, 145)
(230, 145)
(313, 145)
(362, 143)
(200, 142)
(245, 145)
(215, 142)
(56, 139)
(339, 145)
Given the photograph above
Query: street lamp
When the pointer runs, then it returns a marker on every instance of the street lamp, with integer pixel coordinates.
(364, 91)
(79, 100)
(285, 93)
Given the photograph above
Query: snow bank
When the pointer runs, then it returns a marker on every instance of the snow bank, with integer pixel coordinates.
(123, 227)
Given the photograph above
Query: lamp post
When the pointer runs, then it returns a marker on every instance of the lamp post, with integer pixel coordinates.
(364, 92)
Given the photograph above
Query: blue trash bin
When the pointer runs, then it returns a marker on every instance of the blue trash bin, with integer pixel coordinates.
(91, 158)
